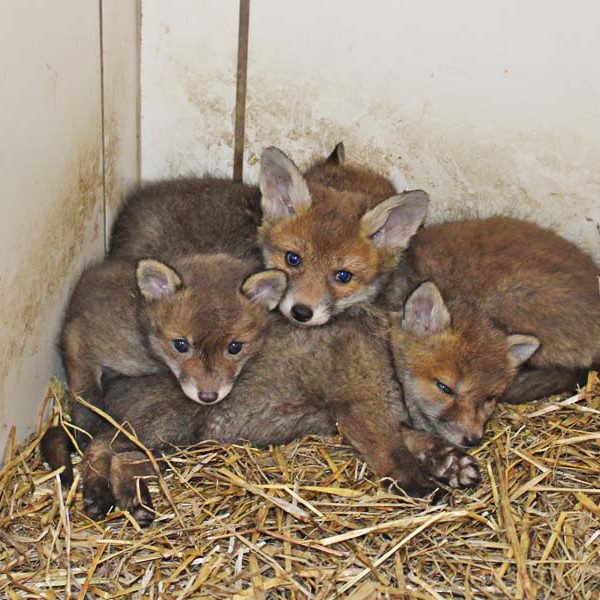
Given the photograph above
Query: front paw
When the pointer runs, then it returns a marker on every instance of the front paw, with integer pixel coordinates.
(139, 504)
(130, 489)
(453, 466)
(97, 497)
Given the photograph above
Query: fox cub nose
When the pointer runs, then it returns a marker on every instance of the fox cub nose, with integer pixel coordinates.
(472, 440)
(301, 313)
(208, 397)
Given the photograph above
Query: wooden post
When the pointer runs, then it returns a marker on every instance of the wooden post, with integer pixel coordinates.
(240, 94)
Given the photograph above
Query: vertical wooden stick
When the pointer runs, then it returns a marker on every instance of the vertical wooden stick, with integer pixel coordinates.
(240, 94)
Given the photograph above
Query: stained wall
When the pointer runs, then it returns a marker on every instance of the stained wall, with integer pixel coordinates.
(490, 106)
(56, 155)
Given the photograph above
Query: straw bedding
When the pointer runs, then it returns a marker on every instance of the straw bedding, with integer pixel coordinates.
(307, 520)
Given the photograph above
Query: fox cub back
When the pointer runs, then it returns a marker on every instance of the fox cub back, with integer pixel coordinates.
(201, 318)
(525, 277)
(454, 364)
(337, 232)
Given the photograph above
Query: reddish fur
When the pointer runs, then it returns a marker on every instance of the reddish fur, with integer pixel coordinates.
(110, 326)
(351, 178)
(471, 357)
(526, 278)
(328, 236)
(288, 395)
(210, 311)
(330, 222)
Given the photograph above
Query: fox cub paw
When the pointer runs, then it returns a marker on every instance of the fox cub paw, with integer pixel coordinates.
(454, 467)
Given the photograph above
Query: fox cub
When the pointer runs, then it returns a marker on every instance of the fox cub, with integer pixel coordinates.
(338, 239)
(524, 278)
(177, 217)
(454, 364)
(202, 319)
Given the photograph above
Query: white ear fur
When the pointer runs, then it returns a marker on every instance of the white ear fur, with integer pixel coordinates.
(283, 188)
(155, 279)
(521, 348)
(266, 287)
(394, 221)
(425, 312)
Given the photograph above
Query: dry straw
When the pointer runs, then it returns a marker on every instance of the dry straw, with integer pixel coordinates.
(305, 520)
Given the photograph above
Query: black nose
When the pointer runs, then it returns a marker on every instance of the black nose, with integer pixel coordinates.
(472, 440)
(208, 397)
(301, 313)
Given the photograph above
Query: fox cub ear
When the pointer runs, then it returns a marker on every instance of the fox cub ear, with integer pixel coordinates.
(521, 348)
(338, 155)
(266, 287)
(284, 191)
(394, 221)
(155, 279)
(425, 312)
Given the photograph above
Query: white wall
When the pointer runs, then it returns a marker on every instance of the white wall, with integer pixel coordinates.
(493, 107)
(188, 57)
(121, 25)
(51, 177)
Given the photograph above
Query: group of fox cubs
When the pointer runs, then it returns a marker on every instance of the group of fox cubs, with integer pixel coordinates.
(401, 338)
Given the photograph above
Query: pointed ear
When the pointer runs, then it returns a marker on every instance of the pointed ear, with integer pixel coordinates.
(521, 348)
(394, 221)
(284, 191)
(425, 312)
(156, 280)
(338, 156)
(266, 287)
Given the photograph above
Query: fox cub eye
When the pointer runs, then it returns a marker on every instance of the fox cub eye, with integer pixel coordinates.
(235, 347)
(292, 259)
(445, 388)
(490, 399)
(343, 276)
(181, 345)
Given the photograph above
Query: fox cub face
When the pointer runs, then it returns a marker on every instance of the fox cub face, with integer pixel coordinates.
(336, 249)
(454, 366)
(206, 319)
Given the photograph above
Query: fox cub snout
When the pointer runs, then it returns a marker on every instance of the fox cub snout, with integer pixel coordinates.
(204, 332)
(454, 364)
(202, 318)
(337, 246)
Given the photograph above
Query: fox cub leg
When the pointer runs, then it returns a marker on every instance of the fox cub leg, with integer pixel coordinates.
(130, 490)
(56, 445)
(416, 460)
(97, 494)
(56, 448)
(113, 476)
